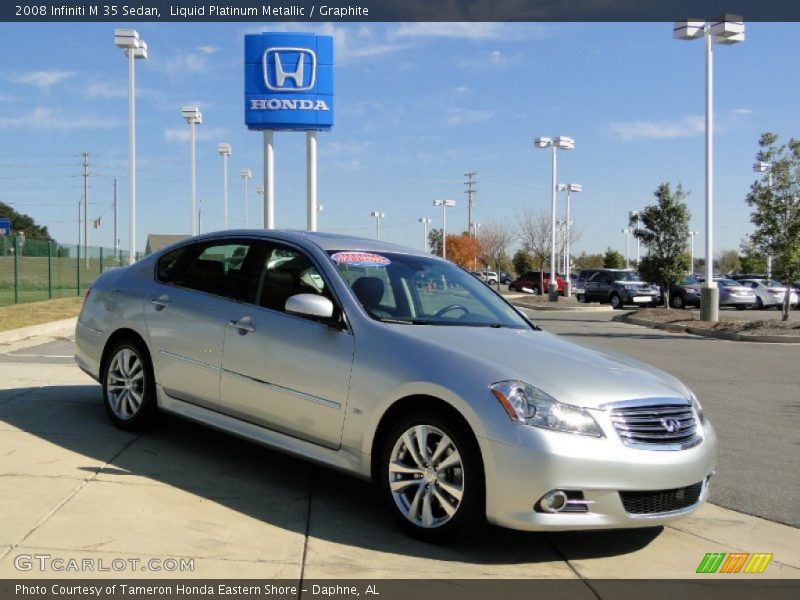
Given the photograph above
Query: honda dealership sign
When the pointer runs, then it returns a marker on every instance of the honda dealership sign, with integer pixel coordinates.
(288, 81)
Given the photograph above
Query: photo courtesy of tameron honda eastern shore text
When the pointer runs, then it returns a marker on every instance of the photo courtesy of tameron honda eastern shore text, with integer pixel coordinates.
(399, 367)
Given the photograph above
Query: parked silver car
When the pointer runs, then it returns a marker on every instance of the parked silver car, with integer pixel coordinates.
(447, 397)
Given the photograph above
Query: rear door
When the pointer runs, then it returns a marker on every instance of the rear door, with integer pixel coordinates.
(286, 372)
(186, 312)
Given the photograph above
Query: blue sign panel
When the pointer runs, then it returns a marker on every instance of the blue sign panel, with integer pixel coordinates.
(288, 81)
(5, 226)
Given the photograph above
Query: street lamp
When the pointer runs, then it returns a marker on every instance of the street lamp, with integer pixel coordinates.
(563, 143)
(260, 194)
(569, 187)
(378, 216)
(134, 47)
(245, 175)
(627, 231)
(691, 255)
(224, 151)
(193, 117)
(727, 29)
(766, 167)
(635, 215)
(425, 222)
(444, 204)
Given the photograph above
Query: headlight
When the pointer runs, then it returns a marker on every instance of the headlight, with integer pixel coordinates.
(698, 410)
(532, 406)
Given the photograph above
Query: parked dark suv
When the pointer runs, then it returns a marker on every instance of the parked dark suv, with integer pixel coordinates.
(619, 287)
(580, 282)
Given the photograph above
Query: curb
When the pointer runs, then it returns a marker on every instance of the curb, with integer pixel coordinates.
(51, 328)
(720, 335)
(556, 307)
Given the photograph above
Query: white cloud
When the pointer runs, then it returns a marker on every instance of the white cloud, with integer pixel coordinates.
(207, 49)
(183, 63)
(106, 89)
(742, 111)
(41, 79)
(629, 131)
(495, 59)
(47, 118)
(466, 116)
(202, 134)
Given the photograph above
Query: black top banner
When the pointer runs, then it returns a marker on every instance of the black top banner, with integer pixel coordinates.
(394, 10)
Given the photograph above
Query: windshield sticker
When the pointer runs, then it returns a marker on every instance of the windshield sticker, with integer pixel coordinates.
(360, 259)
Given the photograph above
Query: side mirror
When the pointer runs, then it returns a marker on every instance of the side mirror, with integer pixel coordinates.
(309, 305)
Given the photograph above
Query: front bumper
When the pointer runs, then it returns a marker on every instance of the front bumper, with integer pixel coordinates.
(517, 476)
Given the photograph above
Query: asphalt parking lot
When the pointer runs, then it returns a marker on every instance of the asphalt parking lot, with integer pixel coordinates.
(73, 486)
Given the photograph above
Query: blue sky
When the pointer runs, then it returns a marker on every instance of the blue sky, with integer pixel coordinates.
(418, 105)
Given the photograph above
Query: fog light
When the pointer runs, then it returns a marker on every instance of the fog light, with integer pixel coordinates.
(554, 501)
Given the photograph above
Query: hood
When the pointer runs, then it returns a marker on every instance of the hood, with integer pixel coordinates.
(568, 372)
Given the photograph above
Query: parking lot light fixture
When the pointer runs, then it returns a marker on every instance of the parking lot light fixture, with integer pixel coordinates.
(135, 48)
(691, 255)
(245, 174)
(193, 117)
(224, 151)
(569, 188)
(425, 222)
(260, 194)
(627, 231)
(727, 30)
(766, 167)
(444, 204)
(378, 216)
(557, 143)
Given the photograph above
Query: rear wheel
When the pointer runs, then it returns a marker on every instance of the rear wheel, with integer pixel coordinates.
(129, 393)
(616, 301)
(431, 476)
(759, 303)
(581, 298)
(677, 301)
(535, 290)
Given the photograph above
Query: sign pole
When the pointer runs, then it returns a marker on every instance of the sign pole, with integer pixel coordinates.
(269, 179)
(311, 179)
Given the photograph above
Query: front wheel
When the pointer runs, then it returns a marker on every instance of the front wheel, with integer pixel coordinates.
(677, 302)
(759, 304)
(431, 476)
(129, 393)
(616, 301)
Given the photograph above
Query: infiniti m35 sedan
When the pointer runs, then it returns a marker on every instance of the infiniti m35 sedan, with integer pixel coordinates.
(448, 398)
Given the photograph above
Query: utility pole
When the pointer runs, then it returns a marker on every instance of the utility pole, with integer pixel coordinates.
(469, 192)
(86, 207)
(116, 222)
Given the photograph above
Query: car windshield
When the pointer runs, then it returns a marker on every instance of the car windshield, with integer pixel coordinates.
(404, 288)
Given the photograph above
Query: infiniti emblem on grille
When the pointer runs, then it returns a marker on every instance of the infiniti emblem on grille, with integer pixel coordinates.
(670, 424)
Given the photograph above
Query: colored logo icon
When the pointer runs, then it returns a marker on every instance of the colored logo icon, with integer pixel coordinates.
(735, 562)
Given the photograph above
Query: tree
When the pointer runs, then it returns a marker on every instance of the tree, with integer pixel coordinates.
(435, 241)
(665, 234)
(750, 258)
(776, 209)
(588, 261)
(613, 259)
(495, 238)
(728, 262)
(522, 261)
(535, 234)
(22, 223)
(463, 250)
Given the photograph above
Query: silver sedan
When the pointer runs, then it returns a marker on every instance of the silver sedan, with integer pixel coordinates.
(401, 368)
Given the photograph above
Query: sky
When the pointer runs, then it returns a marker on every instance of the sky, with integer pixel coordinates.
(418, 105)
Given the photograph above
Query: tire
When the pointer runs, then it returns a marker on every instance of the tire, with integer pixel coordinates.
(677, 302)
(129, 391)
(581, 298)
(759, 304)
(436, 488)
(535, 289)
(616, 301)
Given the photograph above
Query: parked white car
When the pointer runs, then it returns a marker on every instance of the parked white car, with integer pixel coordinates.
(769, 293)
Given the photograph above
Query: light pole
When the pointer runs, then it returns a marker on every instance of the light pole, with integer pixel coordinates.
(425, 222)
(634, 214)
(627, 231)
(727, 29)
(569, 187)
(260, 194)
(691, 255)
(444, 204)
(766, 167)
(224, 151)
(134, 47)
(564, 143)
(193, 117)
(378, 216)
(245, 174)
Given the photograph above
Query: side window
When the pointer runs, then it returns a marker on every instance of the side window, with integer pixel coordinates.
(211, 268)
(285, 272)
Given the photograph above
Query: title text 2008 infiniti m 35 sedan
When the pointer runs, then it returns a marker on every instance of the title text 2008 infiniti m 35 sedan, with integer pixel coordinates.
(398, 367)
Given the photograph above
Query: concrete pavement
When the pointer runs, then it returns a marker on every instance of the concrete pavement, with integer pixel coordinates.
(73, 486)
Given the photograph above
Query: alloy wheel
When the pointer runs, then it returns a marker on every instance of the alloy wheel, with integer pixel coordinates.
(125, 384)
(426, 476)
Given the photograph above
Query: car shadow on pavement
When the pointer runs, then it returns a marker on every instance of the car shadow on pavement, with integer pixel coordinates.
(259, 483)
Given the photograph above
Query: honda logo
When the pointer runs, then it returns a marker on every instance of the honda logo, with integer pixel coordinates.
(280, 78)
(670, 424)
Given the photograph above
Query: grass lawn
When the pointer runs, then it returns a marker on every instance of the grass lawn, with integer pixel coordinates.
(34, 313)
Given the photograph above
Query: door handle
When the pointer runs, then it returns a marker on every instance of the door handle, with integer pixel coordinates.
(243, 326)
(161, 302)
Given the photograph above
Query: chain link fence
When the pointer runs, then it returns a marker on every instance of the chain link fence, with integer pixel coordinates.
(33, 270)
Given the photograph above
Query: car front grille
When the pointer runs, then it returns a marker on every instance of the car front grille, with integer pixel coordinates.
(670, 426)
(661, 501)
